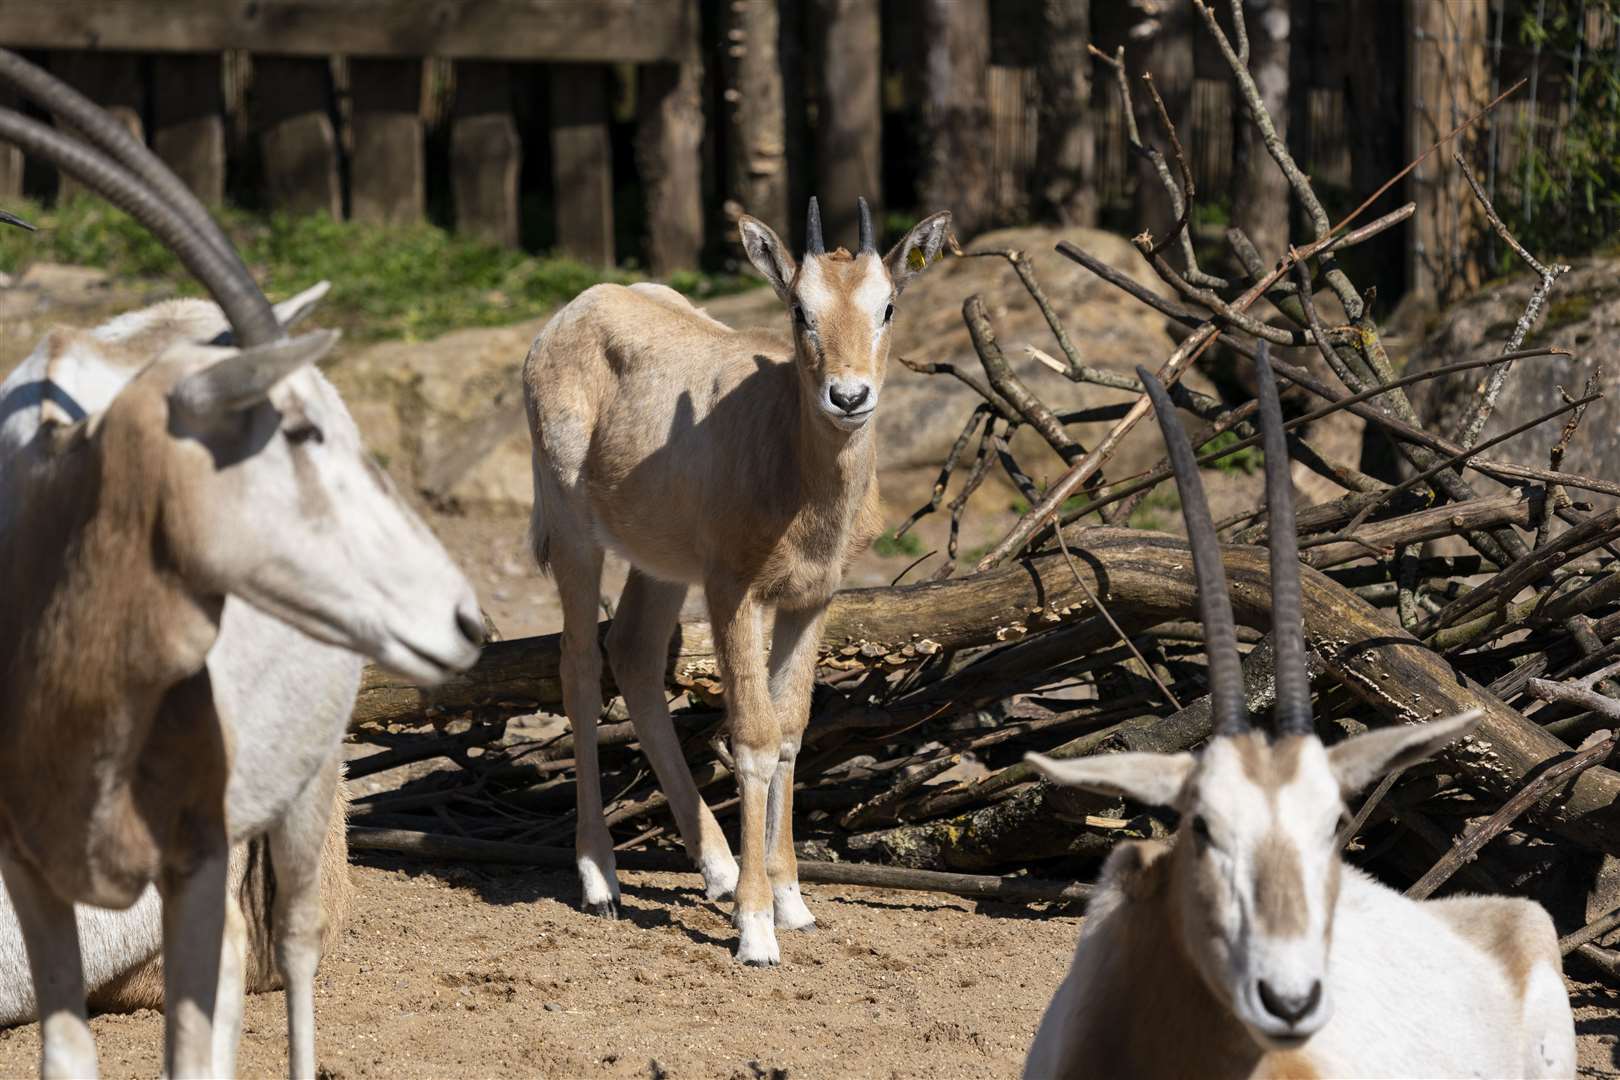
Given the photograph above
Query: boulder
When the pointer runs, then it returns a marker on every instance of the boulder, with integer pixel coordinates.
(1582, 316)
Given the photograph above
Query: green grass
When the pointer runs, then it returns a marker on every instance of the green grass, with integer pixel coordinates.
(1155, 510)
(889, 545)
(406, 281)
(1246, 461)
(1020, 505)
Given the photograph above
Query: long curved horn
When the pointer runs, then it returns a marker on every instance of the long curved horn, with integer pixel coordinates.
(813, 244)
(867, 243)
(12, 219)
(1293, 712)
(109, 136)
(1231, 716)
(237, 295)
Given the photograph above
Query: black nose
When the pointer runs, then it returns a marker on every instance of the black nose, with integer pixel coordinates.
(1290, 1010)
(848, 400)
(472, 625)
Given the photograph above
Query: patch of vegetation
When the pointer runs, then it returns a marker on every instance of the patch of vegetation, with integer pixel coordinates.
(889, 545)
(1154, 512)
(1246, 461)
(1020, 505)
(399, 281)
(1571, 308)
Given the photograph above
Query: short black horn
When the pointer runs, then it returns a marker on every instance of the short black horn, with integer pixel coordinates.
(1293, 712)
(867, 241)
(813, 244)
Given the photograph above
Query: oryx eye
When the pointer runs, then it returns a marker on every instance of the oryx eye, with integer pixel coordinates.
(798, 316)
(303, 432)
(888, 313)
(1200, 830)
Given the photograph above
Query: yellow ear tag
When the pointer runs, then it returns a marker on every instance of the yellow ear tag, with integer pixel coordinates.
(916, 259)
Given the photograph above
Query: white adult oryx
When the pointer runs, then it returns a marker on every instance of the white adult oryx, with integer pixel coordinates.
(1247, 948)
(193, 542)
(743, 462)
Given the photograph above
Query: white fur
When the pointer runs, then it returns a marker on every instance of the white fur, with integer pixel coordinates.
(382, 586)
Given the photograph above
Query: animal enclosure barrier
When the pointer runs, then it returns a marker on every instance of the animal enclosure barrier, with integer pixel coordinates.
(336, 106)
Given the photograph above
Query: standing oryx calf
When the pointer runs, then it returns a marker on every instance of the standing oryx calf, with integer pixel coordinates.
(194, 544)
(1248, 948)
(743, 462)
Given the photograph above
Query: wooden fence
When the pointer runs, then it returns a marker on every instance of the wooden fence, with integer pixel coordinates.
(621, 128)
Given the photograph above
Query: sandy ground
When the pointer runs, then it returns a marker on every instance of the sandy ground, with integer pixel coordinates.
(492, 973)
(485, 973)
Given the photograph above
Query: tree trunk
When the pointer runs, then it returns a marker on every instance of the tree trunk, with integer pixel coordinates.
(1447, 81)
(1144, 580)
(756, 140)
(1065, 145)
(1260, 194)
(956, 141)
(849, 127)
(1374, 86)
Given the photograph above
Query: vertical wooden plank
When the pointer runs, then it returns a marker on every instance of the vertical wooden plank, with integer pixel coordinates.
(849, 128)
(669, 151)
(1065, 178)
(485, 153)
(956, 139)
(188, 121)
(386, 176)
(110, 79)
(582, 161)
(11, 158)
(292, 112)
(756, 139)
(1447, 81)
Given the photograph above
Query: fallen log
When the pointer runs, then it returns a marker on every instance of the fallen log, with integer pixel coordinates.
(1145, 579)
(462, 849)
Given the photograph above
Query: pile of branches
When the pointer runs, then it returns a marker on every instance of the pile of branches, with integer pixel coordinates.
(1074, 635)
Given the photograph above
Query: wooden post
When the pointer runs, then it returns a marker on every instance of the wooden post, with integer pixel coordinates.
(1164, 46)
(292, 111)
(188, 121)
(386, 171)
(11, 158)
(756, 134)
(582, 161)
(110, 79)
(485, 153)
(1065, 153)
(849, 127)
(956, 172)
(1374, 85)
(1447, 81)
(1260, 193)
(669, 150)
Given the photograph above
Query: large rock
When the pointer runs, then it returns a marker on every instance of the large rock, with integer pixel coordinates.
(1583, 317)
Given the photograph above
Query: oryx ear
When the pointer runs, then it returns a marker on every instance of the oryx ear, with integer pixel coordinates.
(917, 249)
(766, 252)
(1361, 759)
(1152, 779)
(292, 311)
(243, 379)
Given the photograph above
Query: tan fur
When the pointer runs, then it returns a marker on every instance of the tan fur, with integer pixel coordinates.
(106, 631)
(1280, 886)
(741, 461)
(253, 881)
(1515, 935)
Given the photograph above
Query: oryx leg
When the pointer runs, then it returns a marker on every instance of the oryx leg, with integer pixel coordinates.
(193, 942)
(637, 648)
(297, 918)
(794, 642)
(756, 738)
(232, 988)
(576, 565)
(51, 937)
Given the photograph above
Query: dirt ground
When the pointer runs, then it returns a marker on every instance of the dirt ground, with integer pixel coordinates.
(493, 973)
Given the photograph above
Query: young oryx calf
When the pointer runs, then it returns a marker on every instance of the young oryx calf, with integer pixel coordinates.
(222, 485)
(743, 462)
(1247, 948)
